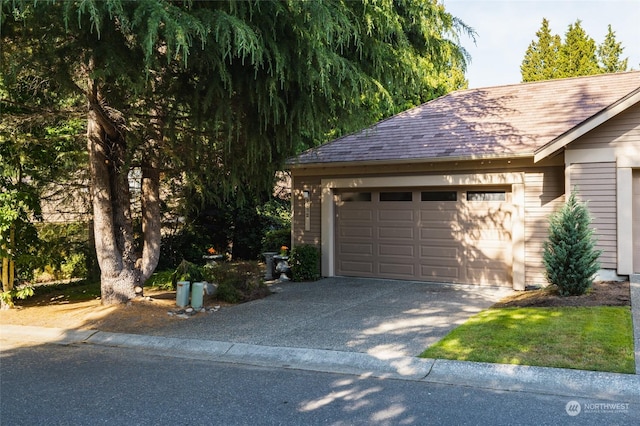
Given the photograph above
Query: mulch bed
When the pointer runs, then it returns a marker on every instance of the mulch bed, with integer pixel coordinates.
(602, 293)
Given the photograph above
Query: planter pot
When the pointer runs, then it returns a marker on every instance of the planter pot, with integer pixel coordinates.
(282, 266)
(268, 258)
(212, 259)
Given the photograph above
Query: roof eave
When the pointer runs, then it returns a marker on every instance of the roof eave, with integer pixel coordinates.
(586, 126)
(408, 161)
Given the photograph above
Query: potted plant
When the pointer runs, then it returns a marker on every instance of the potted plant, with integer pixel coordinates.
(282, 265)
(212, 256)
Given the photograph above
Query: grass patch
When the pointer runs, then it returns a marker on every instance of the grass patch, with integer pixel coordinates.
(586, 338)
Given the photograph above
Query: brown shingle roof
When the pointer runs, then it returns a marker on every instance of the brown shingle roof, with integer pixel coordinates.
(512, 120)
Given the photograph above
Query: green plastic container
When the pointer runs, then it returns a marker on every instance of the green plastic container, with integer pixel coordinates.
(182, 293)
(197, 294)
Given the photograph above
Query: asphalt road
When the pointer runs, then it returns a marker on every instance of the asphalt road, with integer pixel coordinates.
(88, 385)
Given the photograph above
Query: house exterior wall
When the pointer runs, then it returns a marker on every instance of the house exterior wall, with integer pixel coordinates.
(596, 184)
(601, 164)
(538, 190)
(544, 195)
(300, 232)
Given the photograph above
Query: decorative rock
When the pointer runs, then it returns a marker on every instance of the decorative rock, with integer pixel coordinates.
(210, 288)
(189, 312)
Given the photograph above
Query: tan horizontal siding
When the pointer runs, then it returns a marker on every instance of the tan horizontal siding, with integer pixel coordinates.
(618, 131)
(596, 185)
(544, 194)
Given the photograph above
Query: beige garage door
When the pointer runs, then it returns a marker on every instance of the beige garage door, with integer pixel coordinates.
(636, 221)
(443, 235)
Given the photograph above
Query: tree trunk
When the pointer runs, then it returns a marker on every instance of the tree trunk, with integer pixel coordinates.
(8, 268)
(12, 262)
(150, 188)
(5, 282)
(113, 227)
(122, 274)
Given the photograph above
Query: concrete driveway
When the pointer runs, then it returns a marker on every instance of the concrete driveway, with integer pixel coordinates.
(384, 318)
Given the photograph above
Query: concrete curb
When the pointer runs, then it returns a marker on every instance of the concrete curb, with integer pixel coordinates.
(207, 349)
(553, 381)
(328, 361)
(356, 363)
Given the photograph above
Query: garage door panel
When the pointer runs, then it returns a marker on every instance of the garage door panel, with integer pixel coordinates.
(395, 232)
(356, 267)
(396, 269)
(356, 231)
(396, 216)
(429, 234)
(356, 215)
(356, 248)
(442, 273)
(440, 252)
(399, 250)
(435, 216)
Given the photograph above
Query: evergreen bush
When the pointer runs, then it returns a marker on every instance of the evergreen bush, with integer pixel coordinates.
(238, 282)
(187, 271)
(570, 257)
(305, 263)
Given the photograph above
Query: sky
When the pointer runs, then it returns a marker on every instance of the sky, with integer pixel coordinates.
(505, 28)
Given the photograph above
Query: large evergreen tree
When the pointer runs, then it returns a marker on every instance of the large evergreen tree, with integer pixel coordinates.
(577, 55)
(550, 57)
(609, 53)
(541, 57)
(228, 89)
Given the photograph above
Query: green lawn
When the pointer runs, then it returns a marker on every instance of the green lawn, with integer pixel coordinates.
(593, 338)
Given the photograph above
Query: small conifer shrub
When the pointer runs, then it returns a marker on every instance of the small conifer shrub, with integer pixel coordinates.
(570, 257)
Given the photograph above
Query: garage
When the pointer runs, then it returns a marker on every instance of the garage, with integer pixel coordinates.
(454, 235)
